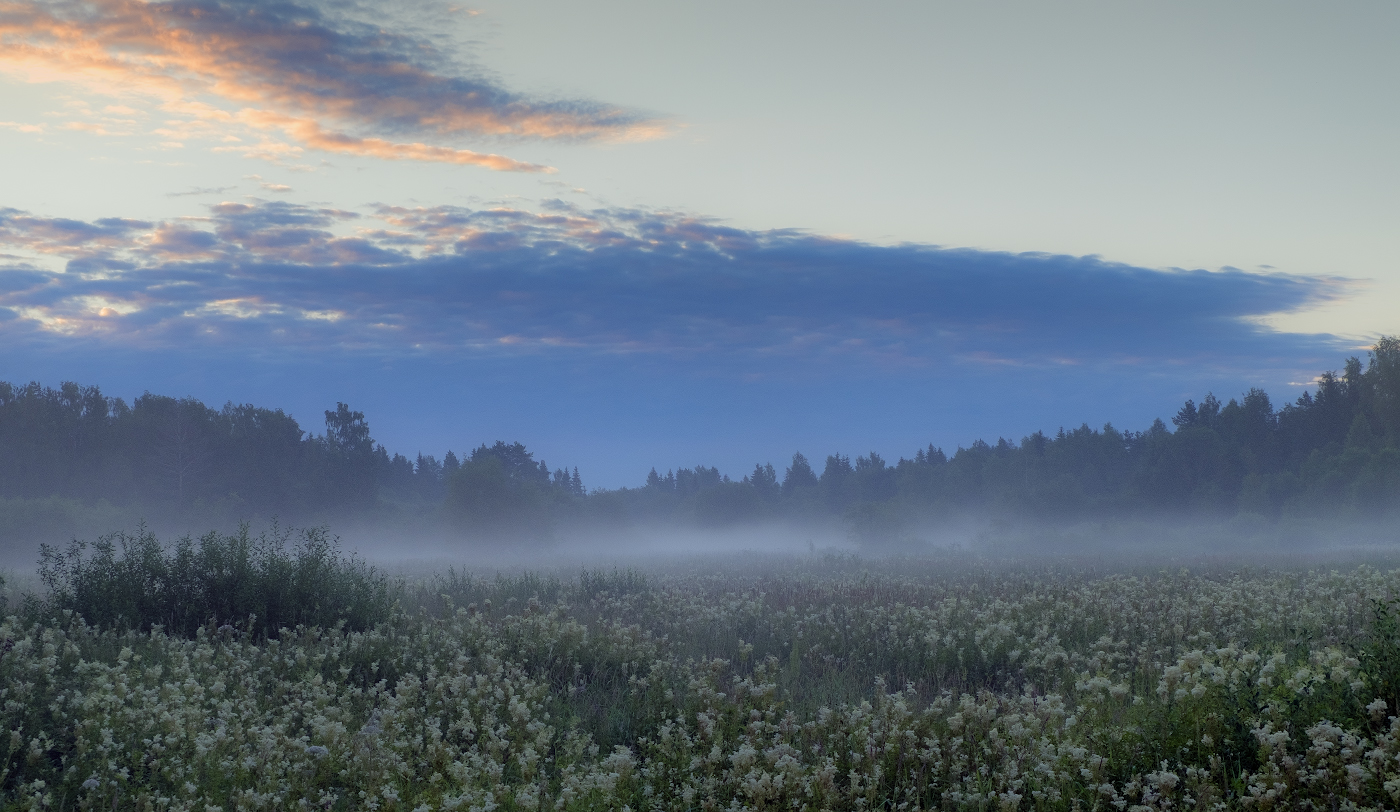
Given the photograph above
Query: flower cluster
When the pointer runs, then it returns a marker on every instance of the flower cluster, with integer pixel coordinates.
(840, 685)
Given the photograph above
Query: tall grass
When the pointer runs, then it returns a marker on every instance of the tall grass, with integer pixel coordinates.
(258, 584)
(836, 685)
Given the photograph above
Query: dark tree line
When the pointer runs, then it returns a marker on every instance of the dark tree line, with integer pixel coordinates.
(163, 454)
(1335, 450)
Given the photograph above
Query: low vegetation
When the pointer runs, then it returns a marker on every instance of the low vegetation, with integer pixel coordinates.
(823, 683)
(258, 584)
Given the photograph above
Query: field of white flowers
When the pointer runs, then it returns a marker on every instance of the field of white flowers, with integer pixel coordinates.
(813, 684)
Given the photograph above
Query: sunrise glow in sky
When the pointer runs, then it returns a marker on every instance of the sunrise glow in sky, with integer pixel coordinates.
(635, 234)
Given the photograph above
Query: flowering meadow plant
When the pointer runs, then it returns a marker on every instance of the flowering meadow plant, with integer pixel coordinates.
(814, 684)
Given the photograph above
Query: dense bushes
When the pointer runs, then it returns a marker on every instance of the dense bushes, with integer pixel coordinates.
(258, 584)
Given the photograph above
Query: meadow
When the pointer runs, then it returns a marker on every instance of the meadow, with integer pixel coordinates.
(272, 672)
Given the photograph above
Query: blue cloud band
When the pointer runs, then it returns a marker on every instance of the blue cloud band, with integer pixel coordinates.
(619, 281)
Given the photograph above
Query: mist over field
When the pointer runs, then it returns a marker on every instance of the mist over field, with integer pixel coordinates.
(725, 407)
(216, 608)
(1242, 476)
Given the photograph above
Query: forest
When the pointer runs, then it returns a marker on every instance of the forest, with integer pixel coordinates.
(72, 459)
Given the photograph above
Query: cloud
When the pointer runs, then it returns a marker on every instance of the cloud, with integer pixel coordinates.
(626, 283)
(313, 135)
(65, 237)
(304, 70)
(268, 185)
(202, 190)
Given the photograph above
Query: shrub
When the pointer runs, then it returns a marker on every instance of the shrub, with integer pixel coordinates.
(259, 584)
(1380, 651)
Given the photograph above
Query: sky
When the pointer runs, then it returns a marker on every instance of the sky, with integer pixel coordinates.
(636, 235)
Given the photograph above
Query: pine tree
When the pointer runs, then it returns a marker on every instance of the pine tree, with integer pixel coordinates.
(799, 475)
(1186, 416)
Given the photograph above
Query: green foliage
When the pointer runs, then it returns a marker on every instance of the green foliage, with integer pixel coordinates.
(615, 582)
(257, 584)
(728, 503)
(1380, 652)
(1335, 453)
(1022, 689)
(876, 524)
(485, 501)
(31, 519)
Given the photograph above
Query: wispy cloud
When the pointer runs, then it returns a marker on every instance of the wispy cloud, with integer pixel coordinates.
(300, 71)
(202, 190)
(500, 282)
(268, 185)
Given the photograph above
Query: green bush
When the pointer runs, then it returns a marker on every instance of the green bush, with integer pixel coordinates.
(1380, 651)
(256, 584)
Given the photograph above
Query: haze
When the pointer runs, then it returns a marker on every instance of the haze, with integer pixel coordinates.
(637, 241)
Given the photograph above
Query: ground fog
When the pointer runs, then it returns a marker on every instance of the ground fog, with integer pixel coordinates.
(277, 669)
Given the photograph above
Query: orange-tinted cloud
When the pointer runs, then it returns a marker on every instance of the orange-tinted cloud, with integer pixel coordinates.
(61, 236)
(314, 136)
(327, 82)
